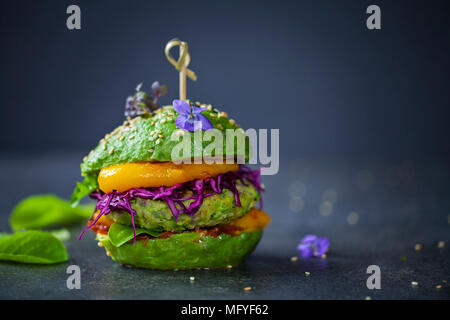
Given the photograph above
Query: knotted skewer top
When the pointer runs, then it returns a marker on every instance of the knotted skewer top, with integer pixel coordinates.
(182, 63)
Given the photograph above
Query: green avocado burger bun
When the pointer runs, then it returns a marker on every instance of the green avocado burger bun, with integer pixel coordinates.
(208, 220)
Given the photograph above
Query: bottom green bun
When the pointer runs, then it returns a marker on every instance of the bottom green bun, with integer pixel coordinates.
(188, 250)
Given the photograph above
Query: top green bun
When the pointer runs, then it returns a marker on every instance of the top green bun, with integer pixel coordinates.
(148, 138)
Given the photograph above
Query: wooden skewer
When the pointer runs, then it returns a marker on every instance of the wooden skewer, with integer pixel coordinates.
(182, 64)
(182, 78)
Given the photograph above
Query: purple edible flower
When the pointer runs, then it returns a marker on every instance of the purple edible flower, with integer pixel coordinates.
(313, 246)
(189, 115)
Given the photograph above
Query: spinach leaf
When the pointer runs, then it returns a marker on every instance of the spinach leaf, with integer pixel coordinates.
(119, 234)
(83, 189)
(32, 247)
(41, 211)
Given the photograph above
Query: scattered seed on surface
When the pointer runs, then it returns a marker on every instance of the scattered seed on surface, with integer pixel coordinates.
(307, 273)
(192, 278)
(418, 247)
(158, 141)
(441, 244)
(414, 283)
(229, 266)
(324, 256)
(151, 150)
(368, 298)
(293, 259)
(247, 288)
(439, 286)
(180, 132)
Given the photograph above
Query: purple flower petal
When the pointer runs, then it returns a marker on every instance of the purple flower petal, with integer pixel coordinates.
(183, 121)
(206, 124)
(197, 110)
(305, 250)
(310, 238)
(182, 107)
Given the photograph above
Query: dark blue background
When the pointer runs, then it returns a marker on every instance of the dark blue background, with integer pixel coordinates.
(310, 68)
(361, 113)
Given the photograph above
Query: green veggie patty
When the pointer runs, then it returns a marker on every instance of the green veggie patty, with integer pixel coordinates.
(216, 209)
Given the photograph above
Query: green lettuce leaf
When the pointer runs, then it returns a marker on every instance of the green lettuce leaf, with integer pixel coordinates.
(32, 247)
(119, 234)
(42, 211)
(89, 184)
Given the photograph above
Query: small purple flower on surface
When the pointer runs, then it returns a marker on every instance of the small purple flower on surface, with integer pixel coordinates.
(313, 246)
(190, 116)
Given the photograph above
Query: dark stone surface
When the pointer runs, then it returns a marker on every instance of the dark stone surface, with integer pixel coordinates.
(398, 205)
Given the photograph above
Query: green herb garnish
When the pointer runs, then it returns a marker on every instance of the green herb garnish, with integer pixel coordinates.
(32, 247)
(120, 234)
